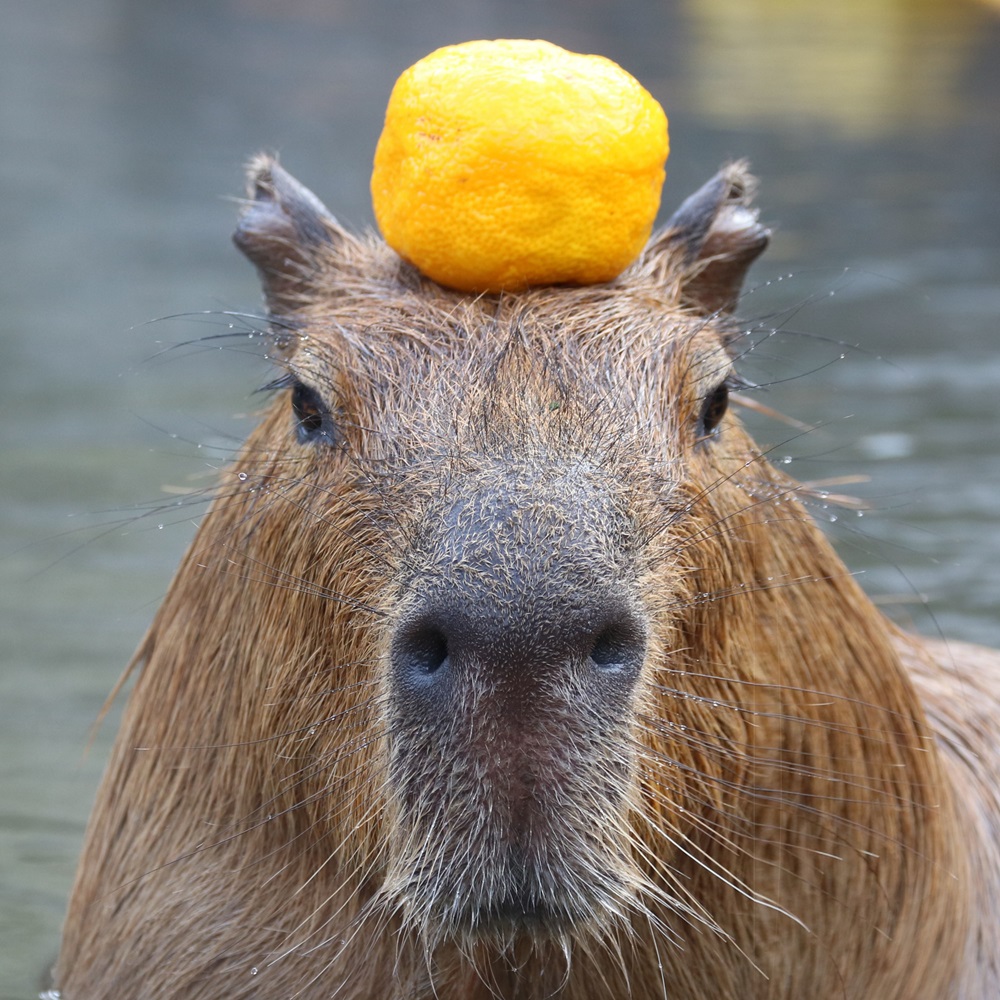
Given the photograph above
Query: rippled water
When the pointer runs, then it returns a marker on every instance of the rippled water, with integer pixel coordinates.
(874, 126)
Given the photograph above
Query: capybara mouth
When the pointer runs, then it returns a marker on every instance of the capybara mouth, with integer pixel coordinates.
(528, 914)
(480, 891)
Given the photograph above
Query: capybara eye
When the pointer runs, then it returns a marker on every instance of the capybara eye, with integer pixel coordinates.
(313, 421)
(713, 409)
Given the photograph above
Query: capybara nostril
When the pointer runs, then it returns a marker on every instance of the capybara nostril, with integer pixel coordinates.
(420, 653)
(619, 648)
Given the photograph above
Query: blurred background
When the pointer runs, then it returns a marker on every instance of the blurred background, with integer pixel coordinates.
(874, 126)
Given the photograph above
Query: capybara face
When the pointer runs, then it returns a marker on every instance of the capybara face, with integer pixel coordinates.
(523, 488)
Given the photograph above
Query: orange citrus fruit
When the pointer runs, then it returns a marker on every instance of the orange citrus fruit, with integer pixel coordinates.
(510, 163)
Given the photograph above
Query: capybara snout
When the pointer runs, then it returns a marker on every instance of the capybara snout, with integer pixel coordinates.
(518, 646)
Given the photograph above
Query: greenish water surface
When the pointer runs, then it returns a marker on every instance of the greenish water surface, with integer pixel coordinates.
(875, 129)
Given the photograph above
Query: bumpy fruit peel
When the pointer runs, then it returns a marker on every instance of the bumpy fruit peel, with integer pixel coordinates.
(509, 163)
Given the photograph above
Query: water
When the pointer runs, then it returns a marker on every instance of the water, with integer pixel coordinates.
(874, 126)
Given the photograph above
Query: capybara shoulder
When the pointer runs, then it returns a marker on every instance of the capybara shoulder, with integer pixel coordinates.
(505, 665)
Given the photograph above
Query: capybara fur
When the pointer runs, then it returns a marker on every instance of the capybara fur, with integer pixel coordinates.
(504, 665)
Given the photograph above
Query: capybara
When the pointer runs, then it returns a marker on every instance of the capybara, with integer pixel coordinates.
(504, 665)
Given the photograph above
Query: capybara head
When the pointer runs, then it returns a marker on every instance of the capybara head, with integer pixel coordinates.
(516, 500)
(505, 664)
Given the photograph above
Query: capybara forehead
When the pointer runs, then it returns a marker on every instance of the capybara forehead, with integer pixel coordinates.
(536, 360)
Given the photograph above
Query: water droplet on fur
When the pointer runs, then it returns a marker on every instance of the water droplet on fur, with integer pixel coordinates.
(786, 460)
(159, 527)
(253, 971)
(833, 517)
(242, 477)
(860, 513)
(312, 730)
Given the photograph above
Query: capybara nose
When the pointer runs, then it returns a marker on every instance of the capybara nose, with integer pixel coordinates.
(514, 648)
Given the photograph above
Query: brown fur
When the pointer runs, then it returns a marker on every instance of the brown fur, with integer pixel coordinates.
(796, 801)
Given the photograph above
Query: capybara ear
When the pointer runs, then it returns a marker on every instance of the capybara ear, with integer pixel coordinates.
(281, 230)
(718, 235)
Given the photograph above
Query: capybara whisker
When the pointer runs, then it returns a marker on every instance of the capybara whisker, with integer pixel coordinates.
(504, 664)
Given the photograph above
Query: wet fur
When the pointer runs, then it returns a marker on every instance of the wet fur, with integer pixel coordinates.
(796, 801)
